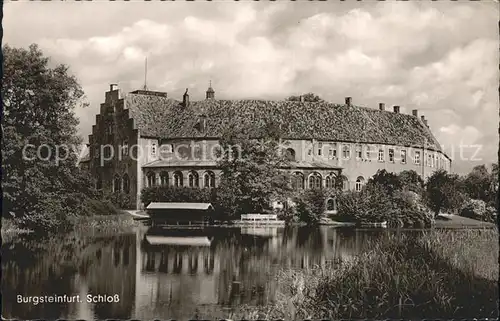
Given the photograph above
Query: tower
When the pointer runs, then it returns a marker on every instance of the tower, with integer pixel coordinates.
(210, 92)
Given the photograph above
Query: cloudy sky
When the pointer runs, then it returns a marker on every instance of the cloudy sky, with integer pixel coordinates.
(440, 58)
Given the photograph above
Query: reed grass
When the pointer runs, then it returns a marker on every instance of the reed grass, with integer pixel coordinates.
(438, 274)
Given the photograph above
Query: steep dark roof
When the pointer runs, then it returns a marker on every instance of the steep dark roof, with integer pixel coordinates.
(167, 118)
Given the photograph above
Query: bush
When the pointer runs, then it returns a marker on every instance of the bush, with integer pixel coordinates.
(479, 210)
(310, 205)
(373, 204)
(410, 211)
(119, 199)
(288, 214)
(50, 214)
(99, 207)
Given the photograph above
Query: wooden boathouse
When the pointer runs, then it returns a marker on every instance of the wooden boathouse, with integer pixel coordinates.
(180, 213)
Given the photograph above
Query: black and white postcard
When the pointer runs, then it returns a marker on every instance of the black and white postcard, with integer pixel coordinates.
(250, 160)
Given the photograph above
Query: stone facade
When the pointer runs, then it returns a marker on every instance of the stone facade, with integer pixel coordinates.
(146, 129)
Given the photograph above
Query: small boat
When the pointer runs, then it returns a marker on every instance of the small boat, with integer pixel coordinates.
(259, 219)
(139, 215)
(373, 224)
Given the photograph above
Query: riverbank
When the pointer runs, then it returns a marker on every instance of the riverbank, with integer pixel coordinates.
(121, 221)
(450, 221)
(440, 274)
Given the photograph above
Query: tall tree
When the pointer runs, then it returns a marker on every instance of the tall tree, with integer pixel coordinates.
(39, 130)
(388, 181)
(411, 181)
(444, 192)
(478, 183)
(251, 163)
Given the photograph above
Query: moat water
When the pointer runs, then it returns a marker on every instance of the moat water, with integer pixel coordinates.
(147, 274)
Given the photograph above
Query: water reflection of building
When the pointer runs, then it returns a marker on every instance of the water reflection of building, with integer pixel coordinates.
(174, 277)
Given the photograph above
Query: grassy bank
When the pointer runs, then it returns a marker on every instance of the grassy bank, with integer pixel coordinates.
(106, 223)
(96, 223)
(440, 274)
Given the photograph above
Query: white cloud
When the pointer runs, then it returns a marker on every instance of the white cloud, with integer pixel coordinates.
(436, 57)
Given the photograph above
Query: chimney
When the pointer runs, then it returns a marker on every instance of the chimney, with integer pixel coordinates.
(396, 109)
(415, 112)
(185, 99)
(381, 106)
(348, 101)
(113, 87)
(301, 98)
(422, 118)
(425, 123)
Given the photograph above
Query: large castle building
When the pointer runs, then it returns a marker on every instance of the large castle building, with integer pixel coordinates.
(145, 138)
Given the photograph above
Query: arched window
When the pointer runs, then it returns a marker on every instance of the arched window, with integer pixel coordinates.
(359, 183)
(209, 179)
(126, 183)
(193, 179)
(315, 181)
(330, 204)
(178, 179)
(330, 181)
(117, 183)
(290, 154)
(151, 179)
(164, 179)
(297, 181)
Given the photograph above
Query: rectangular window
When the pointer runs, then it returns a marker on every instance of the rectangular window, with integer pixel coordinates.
(332, 153)
(96, 152)
(125, 148)
(391, 155)
(346, 152)
(417, 157)
(153, 149)
(368, 152)
(309, 152)
(403, 156)
(359, 152)
(381, 155)
(320, 148)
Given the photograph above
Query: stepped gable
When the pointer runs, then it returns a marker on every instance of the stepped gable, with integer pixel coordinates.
(162, 117)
